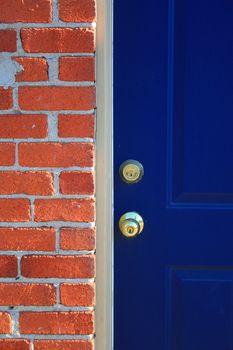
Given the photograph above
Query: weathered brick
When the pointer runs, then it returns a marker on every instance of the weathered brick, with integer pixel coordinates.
(56, 98)
(70, 125)
(77, 238)
(6, 100)
(41, 266)
(80, 210)
(34, 69)
(8, 266)
(34, 98)
(75, 182)
(54, 154)
(13, 210)
(58, 40)
(77, 68)
(25, 11)
(77, 11)
(63, 345)
(77, 294)
(5, 323)
(7, 154)
(32, 183)
(14, 344)
(23, 126)
(56, 323)
(7, 40)
(42, 239)
(14, 294)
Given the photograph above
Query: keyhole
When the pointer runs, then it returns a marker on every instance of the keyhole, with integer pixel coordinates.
(130, 229)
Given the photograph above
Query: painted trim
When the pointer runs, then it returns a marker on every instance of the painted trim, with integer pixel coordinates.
(104, 178)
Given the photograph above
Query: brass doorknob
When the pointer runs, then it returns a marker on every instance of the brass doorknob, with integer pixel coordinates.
(131, 224)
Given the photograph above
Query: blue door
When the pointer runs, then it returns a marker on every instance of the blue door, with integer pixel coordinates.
(173, 110)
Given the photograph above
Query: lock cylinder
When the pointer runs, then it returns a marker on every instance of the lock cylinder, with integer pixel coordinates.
(131, 224)
(131, 171)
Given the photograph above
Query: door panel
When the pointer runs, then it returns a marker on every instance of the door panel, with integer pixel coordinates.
(173, 112)
(194, 297)
(200, 82)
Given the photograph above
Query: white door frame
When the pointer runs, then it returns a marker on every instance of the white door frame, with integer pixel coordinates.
(104, 177)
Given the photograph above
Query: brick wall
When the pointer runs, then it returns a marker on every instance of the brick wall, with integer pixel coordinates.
(47, 212)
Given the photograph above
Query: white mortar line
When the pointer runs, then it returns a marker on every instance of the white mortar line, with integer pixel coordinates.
(15, 322)
(69, 224)
(55, 11)
(48, 139)
(18, 40)
(58, 240)
(58, 24)
(18, 261)
(59, 252)
(48, 55)
(56, 175)
(55, 224)
(15, 97)
(55, 196)
(55, 83)
(23, 168)
(52, 127)
(53, 69)
(48, 337)
(16, 155)
(78, 112)
(47, 280)
(31, 209)
(58, 299)
(55, 308)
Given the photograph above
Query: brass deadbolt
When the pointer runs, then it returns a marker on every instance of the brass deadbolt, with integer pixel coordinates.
(131, 224)
(131, 171)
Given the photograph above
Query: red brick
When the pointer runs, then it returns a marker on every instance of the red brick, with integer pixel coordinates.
(52, 154)
(31, 183)
(14, 294)
(77, 11)
(7, 40)
(6, 101)
(58, 40)
(77, 68)
(77, 294)
(77, 238)
(8, 266)
(34, 69)
(13, 210)
(14, 344)
(7, 153)
(23, 126)
(27, 239)
(70, 125)
(77, 182)
(25, 11)
(56, 98)
(81, 210)
(63, 345)
(5, 323)
(56, 323)
(50, 266)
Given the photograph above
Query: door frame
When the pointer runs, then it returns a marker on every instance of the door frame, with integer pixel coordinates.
(104, 176)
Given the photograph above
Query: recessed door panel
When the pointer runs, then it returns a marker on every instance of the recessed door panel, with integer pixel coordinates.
(200, 309)
(200, 103)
